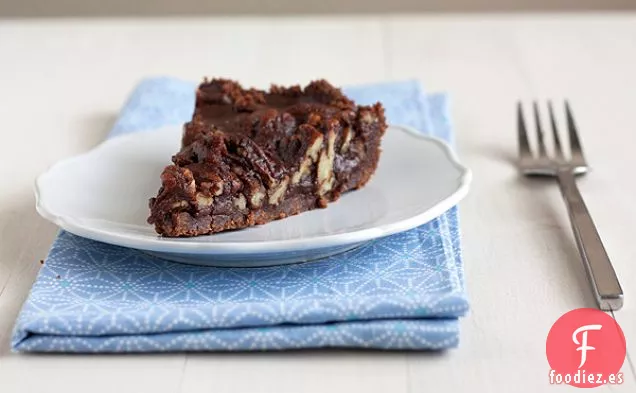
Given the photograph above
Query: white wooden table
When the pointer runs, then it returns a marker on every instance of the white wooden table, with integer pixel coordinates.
(63, 81)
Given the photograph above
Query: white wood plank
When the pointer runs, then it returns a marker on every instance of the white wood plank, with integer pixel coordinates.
(523, 271)
(291, 372)
(522, 267)
(98, 374)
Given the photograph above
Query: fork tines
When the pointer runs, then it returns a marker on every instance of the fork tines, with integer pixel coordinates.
(525, 151)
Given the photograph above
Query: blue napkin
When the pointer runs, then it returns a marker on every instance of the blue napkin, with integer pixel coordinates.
(401, 292)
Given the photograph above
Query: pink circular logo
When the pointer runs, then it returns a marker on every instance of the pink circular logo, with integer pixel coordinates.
(585, 348)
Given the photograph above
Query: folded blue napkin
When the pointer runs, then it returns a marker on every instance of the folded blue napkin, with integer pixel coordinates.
(401, 292)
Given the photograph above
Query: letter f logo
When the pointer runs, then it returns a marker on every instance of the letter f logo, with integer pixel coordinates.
(583, 344)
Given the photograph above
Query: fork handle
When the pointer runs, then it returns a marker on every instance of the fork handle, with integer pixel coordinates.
(599, 269)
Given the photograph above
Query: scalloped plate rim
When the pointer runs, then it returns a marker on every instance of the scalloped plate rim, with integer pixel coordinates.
(159, 244)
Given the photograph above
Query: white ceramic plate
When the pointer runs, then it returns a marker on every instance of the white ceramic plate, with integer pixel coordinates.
(103, 195)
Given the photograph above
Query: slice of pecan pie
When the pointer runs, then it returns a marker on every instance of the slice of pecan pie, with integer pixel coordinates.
(250, 156)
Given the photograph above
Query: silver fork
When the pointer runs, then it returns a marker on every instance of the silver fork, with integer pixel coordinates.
(600, 272)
